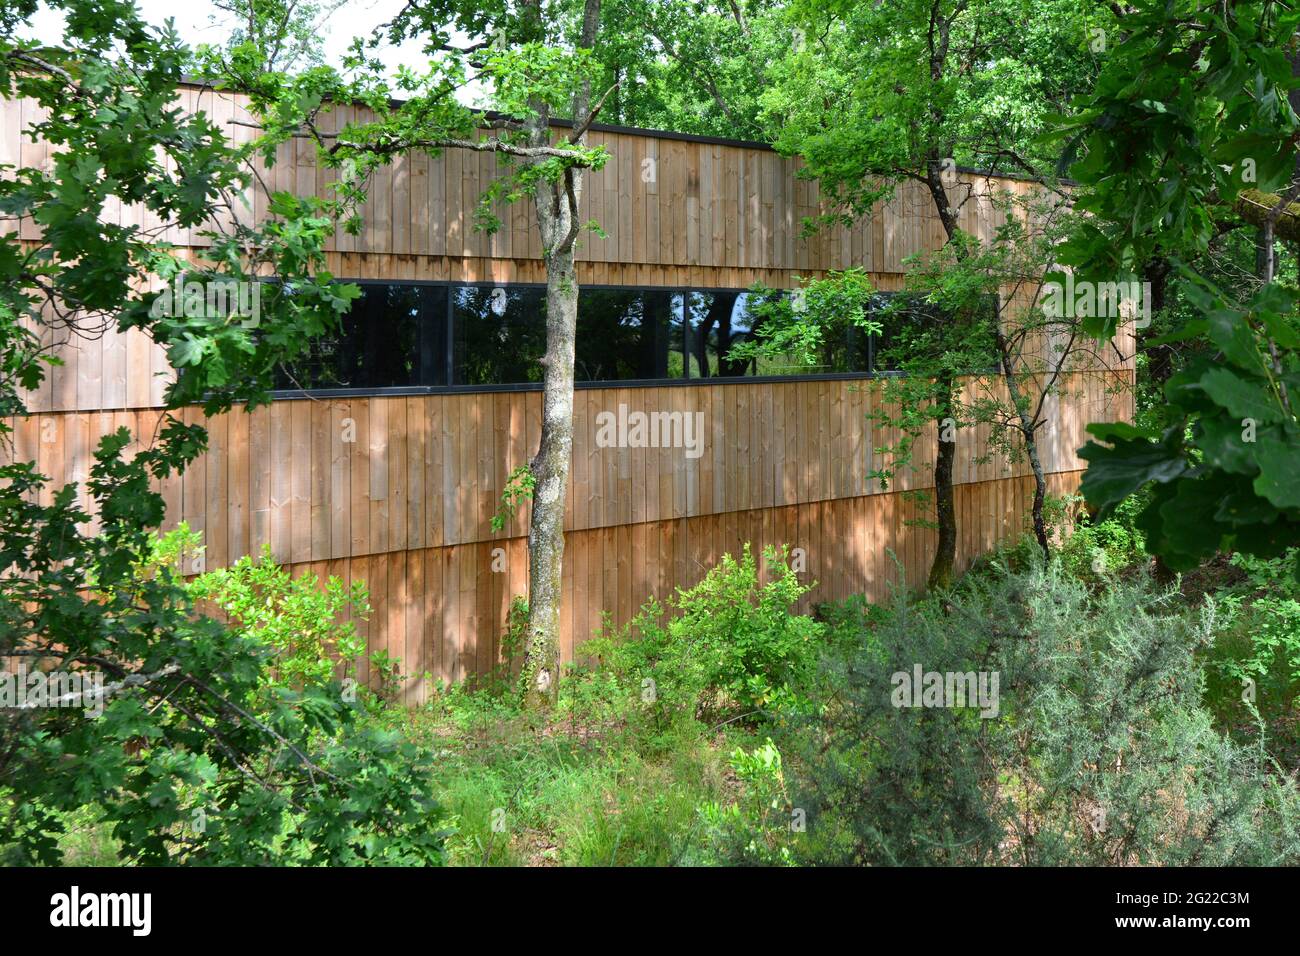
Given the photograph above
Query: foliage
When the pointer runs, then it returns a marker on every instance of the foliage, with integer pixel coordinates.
(1096, 549)
(302, 623)
(1223, 471)
(232, 742)
(753, 829)
(270, 35)
(1100, 753)
(811, 324)
(939, 330)
(1187, 130)
(528, 64)
(849, 619)
(730, 642)
(872, 94)
(106, 118)
(693, 67)
(195, 757)
(520, 486)
(189, 762)
(1254, 666)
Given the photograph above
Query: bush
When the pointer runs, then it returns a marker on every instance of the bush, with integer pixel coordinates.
(306, 626)
(218, 744)
(1100, 753)
(756, 828)
(1255, 661)
(1090, 550)
(729, 644)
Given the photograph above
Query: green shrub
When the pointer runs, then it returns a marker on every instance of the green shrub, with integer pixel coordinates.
(759, 826)
(1255, 661)
(847, 620)
(1091, 550)
(307, 627)
(1100, 753)
(240, 749)
(728, 643)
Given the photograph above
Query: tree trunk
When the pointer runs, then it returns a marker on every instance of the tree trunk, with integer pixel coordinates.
(945, 506)
(1029, 433)
(1040, 496)
(1265, 257)
(550, 471)
(557, 204)
(945, 502)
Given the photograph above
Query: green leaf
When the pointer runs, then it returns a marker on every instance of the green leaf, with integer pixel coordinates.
(1222, 439)
(1230, 330)
(1279, 470)
(1191, 527)
(1118, 471)
(188, 351)
(1247, 398)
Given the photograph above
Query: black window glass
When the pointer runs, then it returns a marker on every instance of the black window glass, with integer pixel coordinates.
(856, 354)
(394, 335)
(500, 334)
(625, 334)
(677, 337)
(403, 334)
(904, 319)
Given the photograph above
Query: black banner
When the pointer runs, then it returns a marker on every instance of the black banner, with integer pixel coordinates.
(336, 907)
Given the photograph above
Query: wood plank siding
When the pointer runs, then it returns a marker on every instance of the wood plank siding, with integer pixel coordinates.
(398, 489)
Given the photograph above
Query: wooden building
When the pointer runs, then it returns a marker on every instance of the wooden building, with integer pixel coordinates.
(386, 456)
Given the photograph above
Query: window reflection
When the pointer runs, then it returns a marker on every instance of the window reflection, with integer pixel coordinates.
(716, 322)
(394, 335)
(625, 334)
(912, 324)
(403, 334)
(500, 334)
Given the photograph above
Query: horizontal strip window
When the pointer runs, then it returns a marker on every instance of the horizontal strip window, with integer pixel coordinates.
(416, 336)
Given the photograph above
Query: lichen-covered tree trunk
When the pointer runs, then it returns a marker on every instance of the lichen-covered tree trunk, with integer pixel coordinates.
(557, 203)
(551, 475)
